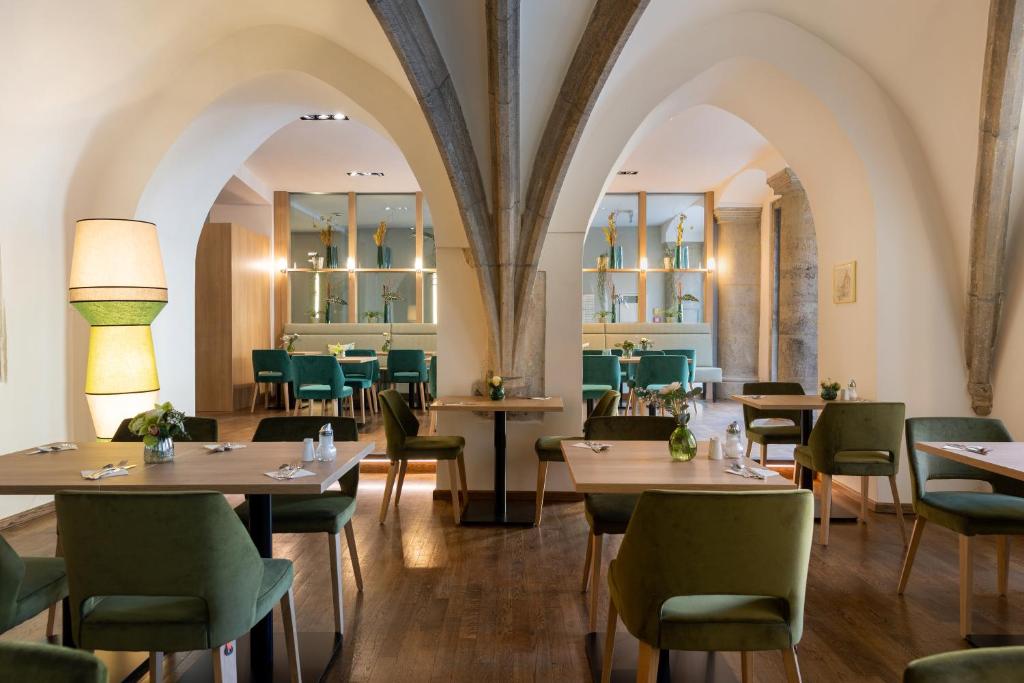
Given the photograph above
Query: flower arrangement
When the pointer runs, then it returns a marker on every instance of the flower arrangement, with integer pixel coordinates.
(326, 228)
(390, 296)
(627, 347)
(386, 346)
(672, 397)
(380, 233)
(679, 230)
(497, 385)
(602, 316)
(681, 297)
(162, 422)
(646, 344)
(830, 390)
(288, 341)
(611, 233)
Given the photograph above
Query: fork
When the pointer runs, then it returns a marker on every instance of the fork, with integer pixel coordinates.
(286, 471)
(107, 469)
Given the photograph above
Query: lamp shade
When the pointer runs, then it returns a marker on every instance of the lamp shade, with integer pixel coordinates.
(116, 260)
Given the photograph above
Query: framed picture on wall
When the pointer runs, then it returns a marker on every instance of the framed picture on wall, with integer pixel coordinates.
(844, 283)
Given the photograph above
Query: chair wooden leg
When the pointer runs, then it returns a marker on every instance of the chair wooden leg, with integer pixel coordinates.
(225, 663)
(750, 447)
(291, 636)
(826, 507)
(353, 554)
(792, 665)
(1002, 564)
(609, 641)
(388, 486)
(966, 583)
(423, 396)
(266, 397)
(453, 479)
(595, 580)
(747, 667)
(51, 621)
(542, 477)
(255, 393)
(156, 667)
(461, 462)
(863, 517)
(586, 563)
(899, 509)
(797, 471)
(401, 480)
(362, 405)
(908, 562)
(286, 395)
(334, 553)
(647, 663)
(764, 455)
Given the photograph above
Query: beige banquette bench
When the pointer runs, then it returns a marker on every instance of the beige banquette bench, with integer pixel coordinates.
(316, 336)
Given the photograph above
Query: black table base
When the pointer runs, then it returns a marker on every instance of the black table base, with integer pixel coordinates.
(995, 639)
(707, 667)
(261, 654)
(480, 511)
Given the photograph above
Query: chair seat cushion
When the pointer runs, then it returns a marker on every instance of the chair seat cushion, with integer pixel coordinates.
(358, 382)
(724, 622)
(973, 512)
(609, 513)
(851, 463)
(594, 391)
(774, 433)
(321, 392)
(268, 374)
(325, 513)
(168, 623)
(45, 583)
(432, 447)
(549, 448)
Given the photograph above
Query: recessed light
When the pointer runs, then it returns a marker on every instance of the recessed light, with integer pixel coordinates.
(387, 208)
(375, 174)
(324, 117)
(628, 172)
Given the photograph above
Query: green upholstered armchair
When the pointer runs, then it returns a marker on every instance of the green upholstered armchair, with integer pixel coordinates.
(549, 448)
(271, 368)
(654, 372)
(998, 512)
(363, 378)
(41, 663)
(859, 440)
(767, 434)
(320, 378)
(29, 585)
(984, 665)
(198, 429)
(327, 513)
(682, 578)
(691, 362)
(609, 513)
(409, 366)
(167, 572)
(401, 428)
(600, 374)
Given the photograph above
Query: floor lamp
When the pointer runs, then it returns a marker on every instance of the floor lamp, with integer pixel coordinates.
(117, 283)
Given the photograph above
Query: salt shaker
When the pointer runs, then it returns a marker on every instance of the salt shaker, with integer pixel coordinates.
(733, 444)
(307, 449)
(326, 450)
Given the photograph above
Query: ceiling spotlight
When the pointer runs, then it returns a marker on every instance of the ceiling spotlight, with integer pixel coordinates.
(628, 172)
(361, 174)
(324, 117)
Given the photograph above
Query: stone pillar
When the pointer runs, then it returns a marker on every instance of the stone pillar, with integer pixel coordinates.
(739, 294)
(798, 284)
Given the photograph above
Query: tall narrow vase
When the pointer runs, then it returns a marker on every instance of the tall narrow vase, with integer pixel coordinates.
(614, 257)
(380, 257)
(682, 445)
(332, 257)
(681, 257)
(389, 314)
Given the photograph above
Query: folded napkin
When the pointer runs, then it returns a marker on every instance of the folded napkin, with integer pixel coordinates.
(221, 447)
(592, 445)
(540, 398)
(296, 474)
(752, 472)
(115, 472)
(53, 448)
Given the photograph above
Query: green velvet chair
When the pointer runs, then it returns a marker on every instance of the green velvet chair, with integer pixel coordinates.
(401, 428)
(370, 371)
(632, 368)
(595, 352)
(549, 448)
(198, 429)
(984, 665)
(654, 372)
(409, 366)
(624, 369)
(691, 363)
(320, 378)
(600, 374)
(998, 512)
(362, 383)
(766, 434)
(28, 586)
(609, 513)
(328, 513)
(271, 368)
(682, 578)
(168, 572)
(39, 663)
(856, 440)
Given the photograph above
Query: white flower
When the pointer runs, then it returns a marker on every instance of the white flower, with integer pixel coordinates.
(496, 381)
(669, 388)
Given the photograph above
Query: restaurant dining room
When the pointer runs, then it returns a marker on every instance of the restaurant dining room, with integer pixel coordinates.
(512, 340)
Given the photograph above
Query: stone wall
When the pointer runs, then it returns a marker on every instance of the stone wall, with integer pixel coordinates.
(739, 294)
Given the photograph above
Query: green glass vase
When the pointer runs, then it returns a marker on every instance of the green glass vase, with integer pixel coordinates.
(682, 445)
(497, 393)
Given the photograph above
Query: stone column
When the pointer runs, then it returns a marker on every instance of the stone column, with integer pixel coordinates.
(739, 294)
(798, 284)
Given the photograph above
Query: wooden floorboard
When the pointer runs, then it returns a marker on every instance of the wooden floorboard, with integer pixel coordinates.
(443, 603)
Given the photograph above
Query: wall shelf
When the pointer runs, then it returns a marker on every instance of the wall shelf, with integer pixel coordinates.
(649, 270)
(362, 270)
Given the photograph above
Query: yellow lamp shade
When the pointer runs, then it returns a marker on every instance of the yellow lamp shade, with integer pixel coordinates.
(116, 260)
(108, 410)
(121, 361)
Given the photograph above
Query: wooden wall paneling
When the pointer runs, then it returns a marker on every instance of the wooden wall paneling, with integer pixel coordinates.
(282, 250)
(641, 231)
(353, 279)
(213, 308)
(250, 308)
(420, 301)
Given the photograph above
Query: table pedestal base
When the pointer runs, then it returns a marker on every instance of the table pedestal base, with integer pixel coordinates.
(995, 639)
(317, 651)
(480, 511)
(707, 667)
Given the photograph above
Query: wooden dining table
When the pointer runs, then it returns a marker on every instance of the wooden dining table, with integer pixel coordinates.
(633, 467)
(194, 468)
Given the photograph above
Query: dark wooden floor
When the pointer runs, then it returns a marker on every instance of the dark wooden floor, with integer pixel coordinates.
(479, 604)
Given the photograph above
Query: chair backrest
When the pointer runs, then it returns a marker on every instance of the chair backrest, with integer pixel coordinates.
(595, 352)
(691, 355)
(188, 544)
(647, 352)
(12, 573)
(271, 360)
(602, 370)
(362, 353)
(983, 665)
(630, 428)
(372, 371)
(616, 352)
(202, 429)
(399, 421)
(408, 360)
(319, 370)
(661, 370)
(305, 427)
(44, 663)
(607, 405)
(925, 467)
(668, 529)
(856, 427)
(771, 389)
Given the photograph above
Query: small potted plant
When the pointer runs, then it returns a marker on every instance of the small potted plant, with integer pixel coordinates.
(646, 344)
(372, 316)
(158, 427)
(497, 385)
(627, 348)
(386, 346)
(830, 390)
(288, 341)
(611, 235)
(675, 399)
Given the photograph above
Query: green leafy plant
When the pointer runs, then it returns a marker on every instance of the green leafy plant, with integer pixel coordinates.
(830, 389)
(162, 422)
(627, 346)
(372, 316)
(674, 398)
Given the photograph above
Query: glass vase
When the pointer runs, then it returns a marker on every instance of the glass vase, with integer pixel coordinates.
(682, 445)
(389, 312)
(497, 393)
(161, 451)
